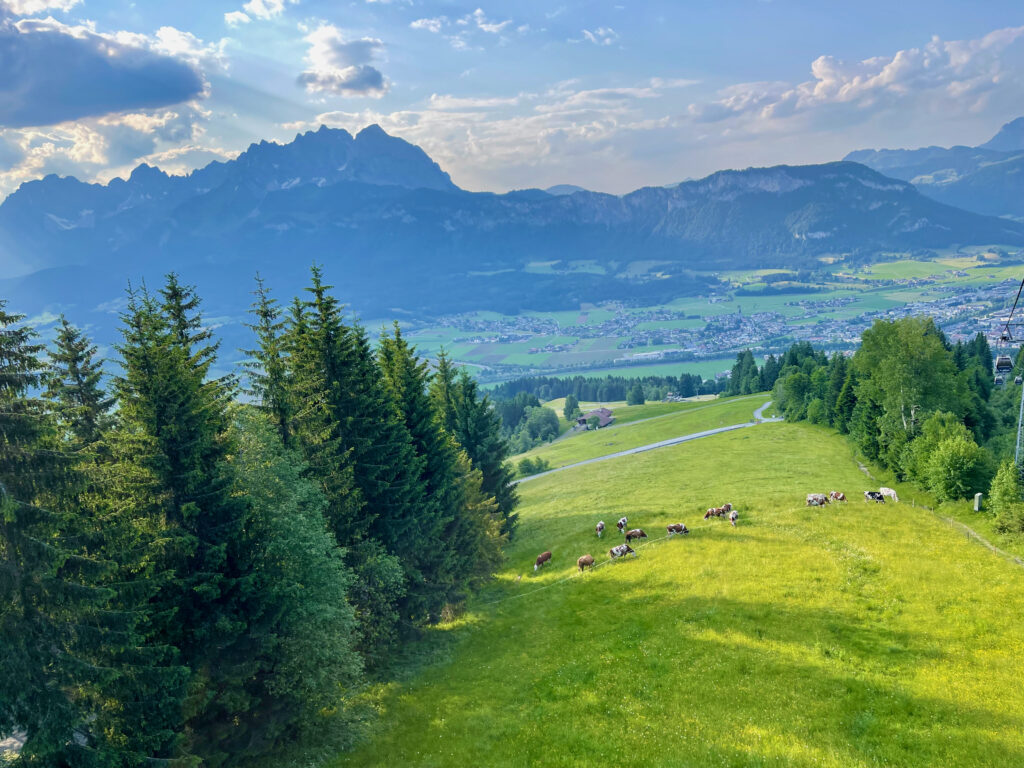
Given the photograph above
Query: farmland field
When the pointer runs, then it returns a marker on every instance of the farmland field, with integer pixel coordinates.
(860, 635)
(746, 311)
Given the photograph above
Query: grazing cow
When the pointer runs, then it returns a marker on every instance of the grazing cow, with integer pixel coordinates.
(679, 528)
(836, 496)
(599, 528)
(636, 533)
(890, 493)
(587, 561)
(816, 499)
(542, 558)
(621, 551)
(622, 524)
(715, 512)
(874, 496)
(733, 516)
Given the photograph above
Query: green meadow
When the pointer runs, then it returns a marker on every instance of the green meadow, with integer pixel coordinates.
(857, 635)
(658, 424)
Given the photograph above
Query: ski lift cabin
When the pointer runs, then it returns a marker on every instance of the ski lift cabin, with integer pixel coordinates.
(1003, 364)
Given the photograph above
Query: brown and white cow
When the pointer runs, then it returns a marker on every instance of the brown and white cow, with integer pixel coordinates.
(816, 499)
(542, 558)
(622, 524)
(715, 512)
(733, 517)
(836, 496)
(890, 493)
(587, 561)
(621, 551)
(874, 496)
(677, 528)
(636, 533)
(599, 528)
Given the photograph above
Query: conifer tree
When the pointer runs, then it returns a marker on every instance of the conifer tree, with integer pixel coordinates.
(302, 631)
(174, 418)
(268, 369)
(319, 354)
(407, 379)
(73, 385)
(53, 624)
(478, 432)
(442, 392)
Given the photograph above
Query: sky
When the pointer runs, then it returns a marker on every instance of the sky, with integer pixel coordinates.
(610, 96)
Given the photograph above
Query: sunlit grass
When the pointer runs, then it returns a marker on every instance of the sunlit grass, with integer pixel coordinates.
(859, 635)
(695, 417)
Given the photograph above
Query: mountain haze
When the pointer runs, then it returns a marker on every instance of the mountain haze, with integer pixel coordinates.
(987, 179)
(397, 236)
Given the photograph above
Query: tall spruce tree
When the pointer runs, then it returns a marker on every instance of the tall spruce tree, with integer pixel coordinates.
(74, 387)
(319, 355)
(175, 417)
(347, 423)
(53, 624)
(407, 380)
(478, 432)
(301, 630)
(268, 368)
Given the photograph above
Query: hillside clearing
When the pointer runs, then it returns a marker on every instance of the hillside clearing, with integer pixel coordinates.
(859, 635)
(620, 437)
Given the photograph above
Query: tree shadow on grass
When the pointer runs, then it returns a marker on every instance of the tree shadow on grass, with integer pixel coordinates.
(822, 678)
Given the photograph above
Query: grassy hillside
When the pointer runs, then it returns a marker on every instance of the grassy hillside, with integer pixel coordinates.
(694, 417)
(860, 635)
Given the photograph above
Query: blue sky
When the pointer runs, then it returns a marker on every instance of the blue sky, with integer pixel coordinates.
(608, 95)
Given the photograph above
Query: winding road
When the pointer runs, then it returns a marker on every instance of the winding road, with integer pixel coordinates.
(759, 418)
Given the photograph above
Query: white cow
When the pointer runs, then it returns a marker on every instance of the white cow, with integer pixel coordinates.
(890, 493)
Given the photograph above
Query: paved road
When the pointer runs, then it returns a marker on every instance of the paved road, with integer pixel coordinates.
(758, 419)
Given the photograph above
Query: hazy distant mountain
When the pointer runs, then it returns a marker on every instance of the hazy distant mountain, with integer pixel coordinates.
(1010, 137)
(564, 189)
(987, 179)
(396, 236)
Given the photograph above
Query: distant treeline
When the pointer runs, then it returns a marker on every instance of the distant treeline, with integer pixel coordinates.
(910, 400)
(189, 580)
(779, 290)
(607, 389)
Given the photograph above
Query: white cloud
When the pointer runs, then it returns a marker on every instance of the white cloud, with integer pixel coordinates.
(941, 77)
(342, 67)
(266, 9)
(257, 9)
(28, 7)
(97, 149)
(185, 45)
(456, 102)
(600, 36)
(431, 25)
(482, 22)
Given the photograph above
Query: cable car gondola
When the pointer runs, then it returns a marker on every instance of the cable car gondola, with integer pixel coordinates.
(1003, 364)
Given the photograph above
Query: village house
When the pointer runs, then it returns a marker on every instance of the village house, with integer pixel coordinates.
(604, 418)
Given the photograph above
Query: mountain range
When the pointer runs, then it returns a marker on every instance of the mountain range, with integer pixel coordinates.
(987, 179)
(399, 238)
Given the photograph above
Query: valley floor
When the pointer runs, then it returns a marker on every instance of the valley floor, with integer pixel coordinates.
(859, 635)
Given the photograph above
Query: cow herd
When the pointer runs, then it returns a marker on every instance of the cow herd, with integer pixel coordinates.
(633, 534)
(680, 529)
(821, 499)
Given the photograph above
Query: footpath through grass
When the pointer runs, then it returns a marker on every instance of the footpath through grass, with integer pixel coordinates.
(619, 437)
(857, 635)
